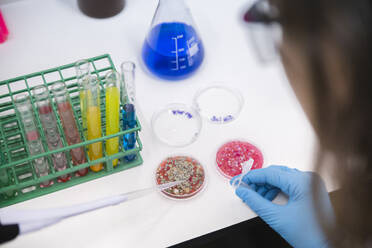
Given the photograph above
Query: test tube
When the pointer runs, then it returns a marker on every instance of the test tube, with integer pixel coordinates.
(49, 123)
(112, 112)
(24, 109)
(82, 68)
(94, 121)
(68, 121)
(128, 112)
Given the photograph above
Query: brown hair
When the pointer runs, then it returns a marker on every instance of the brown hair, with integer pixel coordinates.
(344, 126)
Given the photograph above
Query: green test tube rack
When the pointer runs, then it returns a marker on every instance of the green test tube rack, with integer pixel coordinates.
(15, 161)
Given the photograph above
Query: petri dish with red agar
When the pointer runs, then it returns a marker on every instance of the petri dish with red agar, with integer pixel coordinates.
(176, 168)
(231, 155)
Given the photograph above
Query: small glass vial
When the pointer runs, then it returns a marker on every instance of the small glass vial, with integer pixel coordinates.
(49, 124)
(24, 109)
(94, 122)
(70, 129)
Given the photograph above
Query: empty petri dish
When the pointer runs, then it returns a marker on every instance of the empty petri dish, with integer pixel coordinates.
(176, 168)
(218, 104)
(233, 154)
(176, 125)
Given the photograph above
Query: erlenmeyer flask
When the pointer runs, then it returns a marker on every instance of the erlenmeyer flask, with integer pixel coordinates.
(172, 49)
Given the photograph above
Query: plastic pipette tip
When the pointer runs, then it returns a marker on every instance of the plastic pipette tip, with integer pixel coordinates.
(3, 29)
(169, 185)
(247, 166)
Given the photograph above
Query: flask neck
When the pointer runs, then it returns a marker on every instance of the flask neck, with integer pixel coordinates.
(172, 11)
(179, 3)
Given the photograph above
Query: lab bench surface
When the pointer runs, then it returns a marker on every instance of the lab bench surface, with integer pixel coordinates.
(48, 33)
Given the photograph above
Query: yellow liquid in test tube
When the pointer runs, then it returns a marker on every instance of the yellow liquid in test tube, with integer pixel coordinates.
(94, 132)
(112, 121)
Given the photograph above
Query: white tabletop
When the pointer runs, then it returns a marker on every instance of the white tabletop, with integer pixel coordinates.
(49, 33)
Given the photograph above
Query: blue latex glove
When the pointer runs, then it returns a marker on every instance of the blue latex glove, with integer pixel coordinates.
(296, 221)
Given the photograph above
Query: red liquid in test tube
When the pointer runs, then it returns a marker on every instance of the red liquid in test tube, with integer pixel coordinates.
(40, 164)
(72, 135)
(34, 144)
(53, 140)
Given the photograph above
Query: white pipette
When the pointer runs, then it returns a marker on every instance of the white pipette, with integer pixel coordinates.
(33, 220)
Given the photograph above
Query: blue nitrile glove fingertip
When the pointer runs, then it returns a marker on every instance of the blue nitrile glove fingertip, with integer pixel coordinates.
(234, 178)
(241, 192)
(246, 177)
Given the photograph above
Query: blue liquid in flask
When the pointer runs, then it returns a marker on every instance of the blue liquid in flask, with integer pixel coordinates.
(173, 50)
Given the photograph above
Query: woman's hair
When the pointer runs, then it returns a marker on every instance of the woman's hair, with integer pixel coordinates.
(343, 29)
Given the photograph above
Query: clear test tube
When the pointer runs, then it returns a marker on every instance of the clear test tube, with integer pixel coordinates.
(129, 111)
(82, 68)
(94, 122)
(70, 129)
(112, 112)
(49, 123)
(24, 109)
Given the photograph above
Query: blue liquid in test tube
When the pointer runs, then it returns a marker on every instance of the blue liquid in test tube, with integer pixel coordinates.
(128, 112)
(129, 121)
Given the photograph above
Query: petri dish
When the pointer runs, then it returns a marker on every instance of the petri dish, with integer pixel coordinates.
(231, 155)
(181, 167)
(218, 104)
(176, 125)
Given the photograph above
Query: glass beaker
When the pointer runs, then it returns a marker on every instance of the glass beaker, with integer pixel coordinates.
(49, 124)
(172, 49)
(69, 125)
(24, 109)
(94, 122)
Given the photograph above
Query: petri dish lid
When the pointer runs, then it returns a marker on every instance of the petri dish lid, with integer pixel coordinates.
(218, 104)
(176, 125)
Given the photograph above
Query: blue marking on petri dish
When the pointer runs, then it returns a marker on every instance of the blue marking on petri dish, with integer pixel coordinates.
(172, 50)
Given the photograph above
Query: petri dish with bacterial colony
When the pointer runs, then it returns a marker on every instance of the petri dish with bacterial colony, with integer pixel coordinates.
(231, 156)
(181, 167)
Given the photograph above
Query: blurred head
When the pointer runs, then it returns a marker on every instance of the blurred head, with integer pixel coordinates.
(326, 50)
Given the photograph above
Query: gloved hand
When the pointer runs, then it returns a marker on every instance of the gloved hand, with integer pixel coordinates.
(296, 221)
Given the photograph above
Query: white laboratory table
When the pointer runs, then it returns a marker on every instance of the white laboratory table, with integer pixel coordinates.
(49, 33)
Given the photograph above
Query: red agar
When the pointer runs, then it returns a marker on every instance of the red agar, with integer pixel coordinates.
(231, 155)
